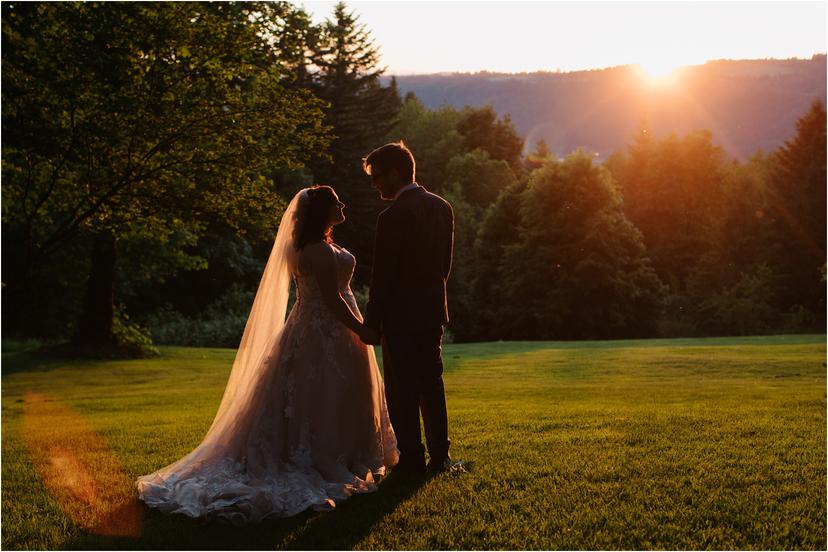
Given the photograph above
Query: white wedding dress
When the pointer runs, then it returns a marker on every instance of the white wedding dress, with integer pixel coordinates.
(307, 427)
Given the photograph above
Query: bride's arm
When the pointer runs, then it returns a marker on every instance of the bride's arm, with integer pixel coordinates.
(322, 262)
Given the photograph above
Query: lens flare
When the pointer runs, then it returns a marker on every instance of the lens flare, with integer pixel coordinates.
(78, 468)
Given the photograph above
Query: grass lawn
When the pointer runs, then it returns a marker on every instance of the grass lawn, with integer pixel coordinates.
(667, 444)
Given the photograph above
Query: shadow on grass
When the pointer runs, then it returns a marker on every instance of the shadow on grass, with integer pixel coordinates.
(31, 360)
(340, 529)
(354, 520)
(40, 357)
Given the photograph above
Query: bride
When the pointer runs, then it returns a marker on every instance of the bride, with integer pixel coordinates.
(303, 422)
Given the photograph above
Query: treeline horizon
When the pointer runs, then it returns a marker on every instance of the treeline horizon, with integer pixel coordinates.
(816, 56)
(116, 243)
(747, 104)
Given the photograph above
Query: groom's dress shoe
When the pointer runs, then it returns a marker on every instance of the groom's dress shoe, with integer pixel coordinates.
(439, 466)
(447, 465)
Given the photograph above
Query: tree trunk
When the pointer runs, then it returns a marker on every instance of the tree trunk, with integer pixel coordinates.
(98, 308)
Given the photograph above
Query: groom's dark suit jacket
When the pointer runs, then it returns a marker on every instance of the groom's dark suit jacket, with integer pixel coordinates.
(412, 261)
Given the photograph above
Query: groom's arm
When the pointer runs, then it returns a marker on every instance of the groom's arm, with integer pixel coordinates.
(385, 270)
(449, 248)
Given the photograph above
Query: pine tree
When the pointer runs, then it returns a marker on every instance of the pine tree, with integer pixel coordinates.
(536, 158)
(797, 209)
(361, 112)
(673, 193)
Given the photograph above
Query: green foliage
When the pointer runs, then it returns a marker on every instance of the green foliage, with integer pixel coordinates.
(145, 122)
(220, 324)
(474, 183)
(578, 267)
(361, 296)
(797, 210)
(148, 257)
(471, 146)
(132, 337)
(707, 226)
(498, 232)
(537, 157)
(745, 308)
(433, 137)
(746, 229)
(154, 112)
(479, 177)
(229, 261)
(798, 318)
(51, 307)
(673, 193)
(482, 129)
(462, 305)
(20, 346)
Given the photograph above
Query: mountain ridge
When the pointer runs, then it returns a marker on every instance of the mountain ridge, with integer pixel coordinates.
(747, 105)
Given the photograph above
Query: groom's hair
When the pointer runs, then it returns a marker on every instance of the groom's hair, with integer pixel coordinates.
(391, 156)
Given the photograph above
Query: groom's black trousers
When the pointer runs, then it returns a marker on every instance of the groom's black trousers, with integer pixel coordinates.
(413, 373)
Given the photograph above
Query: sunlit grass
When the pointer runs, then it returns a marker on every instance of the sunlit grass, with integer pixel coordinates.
(690, 444)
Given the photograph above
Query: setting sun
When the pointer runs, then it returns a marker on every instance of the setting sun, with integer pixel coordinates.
(659, 69)
(659, 72)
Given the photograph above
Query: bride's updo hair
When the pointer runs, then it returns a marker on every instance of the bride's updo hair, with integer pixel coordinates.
(315, 224)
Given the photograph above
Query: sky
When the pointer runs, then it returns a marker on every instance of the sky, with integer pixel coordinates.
(513, 37)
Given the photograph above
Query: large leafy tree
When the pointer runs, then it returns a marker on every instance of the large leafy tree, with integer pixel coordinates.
(474, 181)
(731, 277)
(125, 121)
(578, 268)
(498, 232)
(447, 142)
(479, 177)
(433, 137)
(482, 129)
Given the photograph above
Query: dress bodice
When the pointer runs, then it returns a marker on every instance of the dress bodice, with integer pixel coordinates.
(308, 297)
(345, 264)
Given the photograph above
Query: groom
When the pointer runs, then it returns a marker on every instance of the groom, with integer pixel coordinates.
(407, 309)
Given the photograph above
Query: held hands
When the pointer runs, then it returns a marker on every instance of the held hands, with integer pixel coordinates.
(369, 336)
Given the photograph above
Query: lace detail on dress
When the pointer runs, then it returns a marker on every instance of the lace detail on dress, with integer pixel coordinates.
(316, 431)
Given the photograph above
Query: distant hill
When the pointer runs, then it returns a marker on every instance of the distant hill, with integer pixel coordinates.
(747, 104)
